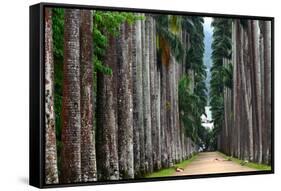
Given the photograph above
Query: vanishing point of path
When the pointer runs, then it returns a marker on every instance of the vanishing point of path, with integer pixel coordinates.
(212, 162)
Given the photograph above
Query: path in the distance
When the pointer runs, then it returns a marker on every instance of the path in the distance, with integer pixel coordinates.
(212, 162)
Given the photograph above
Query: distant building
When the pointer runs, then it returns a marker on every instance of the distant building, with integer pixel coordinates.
(206, 118)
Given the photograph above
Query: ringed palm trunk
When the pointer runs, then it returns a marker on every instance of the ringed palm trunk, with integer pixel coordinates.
(267, 89)
(236, 85)
(125, 104)
(107, 155)
(137, 99)
(51, 169)
(261, 57)
(146, 97)
(164, 127)
(88, 152)
(153, 96)
(158, 98)
(159, 128)
(71, 113)
(154, 87)
(142, 128)
(233, 59)
(225, 99)
(172, 104)
(176, 113)
(253, 90)
(246, 82)
(169, 116)
(256, 63)
(243, 113)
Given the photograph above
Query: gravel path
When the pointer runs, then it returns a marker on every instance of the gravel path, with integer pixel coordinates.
(212, 162)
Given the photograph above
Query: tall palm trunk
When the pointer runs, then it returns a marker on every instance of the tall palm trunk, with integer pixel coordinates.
(125, 104)
(158, 101)
(155, 118)
(158, 122)
(164, 127)
(153, 101)
(146, 96)
(261, 57)
(107, 155)
(237, 91)
(267, 89)
(243, 116)
(257, 72)
(169, 116)
(71, 113)
(226, 112)
(176, 114)
(253, 91)
(138, 101)
(88, 152)
(247, 91)
(51, 169)
(172, 107)
(142, 128)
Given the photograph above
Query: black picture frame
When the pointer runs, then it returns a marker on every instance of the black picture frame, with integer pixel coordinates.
(36, 94)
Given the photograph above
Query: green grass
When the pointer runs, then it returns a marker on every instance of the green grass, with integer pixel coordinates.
(249, 164)
(170, 171)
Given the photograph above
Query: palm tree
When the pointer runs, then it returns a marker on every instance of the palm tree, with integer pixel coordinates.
(246, 88)
(138, 99)
(154, 95)
(267, 90)
(257, 67)
(163, 113)
(71, 112)
(51, 170)
(88, 152)
(107, 151)
(241, 78)
(125, 103)
(146, 95)
(168, 46)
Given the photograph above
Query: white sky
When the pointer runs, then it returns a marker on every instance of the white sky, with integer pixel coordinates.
(207, 24)
(208, 20)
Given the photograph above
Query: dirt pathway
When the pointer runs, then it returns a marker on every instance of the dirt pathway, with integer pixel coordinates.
(212, 162)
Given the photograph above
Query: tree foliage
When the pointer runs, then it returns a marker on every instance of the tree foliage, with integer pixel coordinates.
(168, 28)
(221, 75)
(192, 100)
(107, 23)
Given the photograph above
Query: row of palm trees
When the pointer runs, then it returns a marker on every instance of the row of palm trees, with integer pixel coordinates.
(124, 116)
(241, 88)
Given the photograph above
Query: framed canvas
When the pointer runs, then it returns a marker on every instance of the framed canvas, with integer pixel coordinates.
(122, 95)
